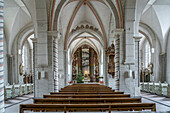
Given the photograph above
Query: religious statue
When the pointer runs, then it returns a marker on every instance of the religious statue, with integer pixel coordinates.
(25, 79)
(30, 79)
(150, 66)
(21, 69)
(97, 70)
(147, 75)
(74, 71)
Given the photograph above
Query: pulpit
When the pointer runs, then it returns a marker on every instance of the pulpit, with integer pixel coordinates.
(111, 65)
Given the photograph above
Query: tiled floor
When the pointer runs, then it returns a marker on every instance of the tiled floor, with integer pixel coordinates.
(162, 103)
(12, 105)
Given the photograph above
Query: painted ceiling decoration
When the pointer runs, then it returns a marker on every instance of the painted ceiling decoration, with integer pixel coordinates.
(84, 29)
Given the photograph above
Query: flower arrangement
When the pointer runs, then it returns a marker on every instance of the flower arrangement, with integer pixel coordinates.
(101, 82)
(79, 77)
(100, 77)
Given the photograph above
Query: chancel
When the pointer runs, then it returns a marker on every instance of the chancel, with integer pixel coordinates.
(84, 55)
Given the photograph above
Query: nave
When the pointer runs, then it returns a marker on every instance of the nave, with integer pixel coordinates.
(51, 44)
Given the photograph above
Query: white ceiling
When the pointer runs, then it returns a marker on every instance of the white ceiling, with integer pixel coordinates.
(155, 14)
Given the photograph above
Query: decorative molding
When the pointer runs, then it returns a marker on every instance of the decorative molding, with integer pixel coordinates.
(34, 40)
(137, 38)
(119, 30)
(85, 27)
(53, 33)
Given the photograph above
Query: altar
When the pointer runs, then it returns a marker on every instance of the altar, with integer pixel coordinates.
(86, 81)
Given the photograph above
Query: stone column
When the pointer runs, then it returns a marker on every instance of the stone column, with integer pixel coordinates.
(10, 69)
(61, 63)
(31, 61)
(117, 61)
(137, 58)
(119, 55)
(44, 77)
(105, 77)
(162, 64)
(92, 66)
(66, 67)
(34, 41)
(2, 110)
(54, 47)
(55, 51)
(129, 32)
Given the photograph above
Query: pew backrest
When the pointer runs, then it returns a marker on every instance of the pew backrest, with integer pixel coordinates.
(89, 96)
(88, 107)
(86, 100)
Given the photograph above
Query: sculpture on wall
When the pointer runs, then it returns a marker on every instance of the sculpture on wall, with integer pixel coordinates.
(147, 75)
(150, 67)
(111, 65)
(21, 69)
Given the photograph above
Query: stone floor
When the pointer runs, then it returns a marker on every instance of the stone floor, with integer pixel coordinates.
(162, 103)
(12, 105)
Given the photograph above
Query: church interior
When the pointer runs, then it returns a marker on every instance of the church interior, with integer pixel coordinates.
(84, 56)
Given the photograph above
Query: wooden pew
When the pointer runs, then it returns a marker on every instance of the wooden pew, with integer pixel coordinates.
(91, 87)
(86, 100)
(87, 107)
(76, 93)
(86, 85)
(86, 88)
(97, 88)
(89, 96)
(86, 91)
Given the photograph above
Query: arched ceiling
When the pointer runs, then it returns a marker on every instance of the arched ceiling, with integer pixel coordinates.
(93, 12)
(96, 13)
(16, 17)
(156, 16)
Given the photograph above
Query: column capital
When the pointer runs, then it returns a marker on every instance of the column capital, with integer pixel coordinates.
(65, 50)
(137, 38)
(119, 30)
(55, 34)
(34, 40)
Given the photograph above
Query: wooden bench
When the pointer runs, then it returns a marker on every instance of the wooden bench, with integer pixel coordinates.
(86, 87)
(86, 91)
(87, 107)
(76, 93)
(89, 96)
(86, 100)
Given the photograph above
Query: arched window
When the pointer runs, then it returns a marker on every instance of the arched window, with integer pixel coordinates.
(27, 54)
(147, 54)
